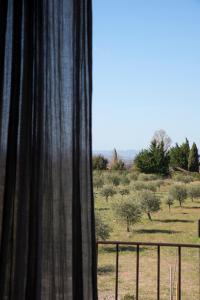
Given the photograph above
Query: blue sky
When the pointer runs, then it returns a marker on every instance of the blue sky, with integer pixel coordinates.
(146, 70)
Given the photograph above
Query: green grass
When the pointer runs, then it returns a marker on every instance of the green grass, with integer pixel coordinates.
(178, 226)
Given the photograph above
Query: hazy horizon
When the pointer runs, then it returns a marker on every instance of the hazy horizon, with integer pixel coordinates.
(146, 72)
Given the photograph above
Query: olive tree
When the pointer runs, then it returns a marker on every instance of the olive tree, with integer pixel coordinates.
(178, 192)
(103, 230)
(107, 191)
(193, 191)
(129, 211)
(149, 202)
(169, 201)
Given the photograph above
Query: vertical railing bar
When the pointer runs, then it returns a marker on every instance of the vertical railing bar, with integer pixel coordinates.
(158, 273)
(179, 273)
(117, 271)
(137, 271)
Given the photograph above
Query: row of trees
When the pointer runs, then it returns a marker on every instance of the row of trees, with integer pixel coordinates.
(160, 157)
(185, 157)
(179, 192)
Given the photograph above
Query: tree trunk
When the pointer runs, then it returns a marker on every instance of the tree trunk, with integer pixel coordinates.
(169, 208)
(149, 216)
(128, 228)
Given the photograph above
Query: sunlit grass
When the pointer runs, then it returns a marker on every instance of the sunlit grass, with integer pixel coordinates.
(180, 225)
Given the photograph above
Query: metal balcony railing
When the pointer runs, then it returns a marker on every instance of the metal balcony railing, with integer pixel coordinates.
(117, 244)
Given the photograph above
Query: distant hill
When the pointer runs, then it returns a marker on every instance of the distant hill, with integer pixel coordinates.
(126, 155)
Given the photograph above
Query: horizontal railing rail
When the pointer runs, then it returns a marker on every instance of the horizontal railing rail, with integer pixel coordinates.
(117, 244)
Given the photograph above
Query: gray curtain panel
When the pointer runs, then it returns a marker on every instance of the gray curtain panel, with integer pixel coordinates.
(47, 241)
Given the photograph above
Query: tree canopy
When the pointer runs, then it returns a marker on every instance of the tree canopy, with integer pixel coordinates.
(193, 160)
(179, 155)
(99, 162)
(153, 160)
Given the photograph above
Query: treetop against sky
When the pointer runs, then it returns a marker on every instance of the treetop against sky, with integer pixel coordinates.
(146, 71)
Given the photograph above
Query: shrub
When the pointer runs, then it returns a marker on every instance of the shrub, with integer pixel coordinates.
(98, 182)
(183, 178)
(99, 162)
(158, 183)
(149, 202)
(151, 186)
(124, 192)
(129, 211)
(195, 176)
(148, 177)
(118, 165)
(140, 185)
(115, 180)
(108, 191)
(125, 180)
(103, 230)
(178, 192)
(133, 176)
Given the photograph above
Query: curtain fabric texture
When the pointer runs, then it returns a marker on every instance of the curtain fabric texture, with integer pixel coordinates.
(47, 242)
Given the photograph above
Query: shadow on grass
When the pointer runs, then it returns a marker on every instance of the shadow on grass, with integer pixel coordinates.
(174, 221)
(103, 270)
(191, 207)
(151, 231)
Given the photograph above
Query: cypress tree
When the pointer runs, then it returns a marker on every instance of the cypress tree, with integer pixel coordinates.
(115, 156)
(185, 152)
(174, 154)
(193, 161)
(179, 155)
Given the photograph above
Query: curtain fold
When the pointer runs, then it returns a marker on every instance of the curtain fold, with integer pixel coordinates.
(47, 238)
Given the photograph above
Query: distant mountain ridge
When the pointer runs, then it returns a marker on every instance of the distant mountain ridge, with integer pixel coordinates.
(126, 155)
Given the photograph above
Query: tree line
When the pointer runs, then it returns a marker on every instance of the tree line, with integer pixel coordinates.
(159, 158)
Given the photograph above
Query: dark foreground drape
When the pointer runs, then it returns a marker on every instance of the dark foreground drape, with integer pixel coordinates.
(47, 245)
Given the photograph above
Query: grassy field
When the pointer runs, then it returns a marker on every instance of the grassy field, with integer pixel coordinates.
(180, 225)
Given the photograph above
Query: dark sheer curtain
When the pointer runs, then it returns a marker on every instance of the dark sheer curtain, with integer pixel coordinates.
(47, 243)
